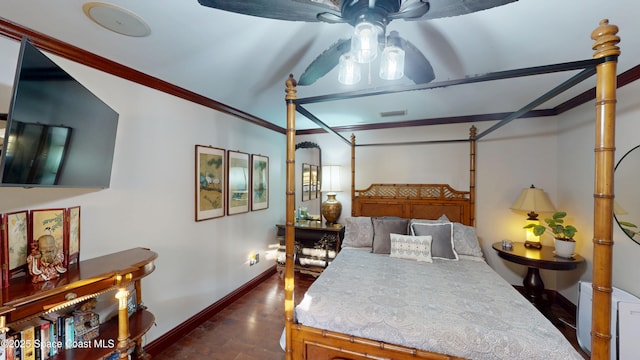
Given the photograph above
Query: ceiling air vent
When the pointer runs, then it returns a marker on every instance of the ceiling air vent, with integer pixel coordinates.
(393, 113)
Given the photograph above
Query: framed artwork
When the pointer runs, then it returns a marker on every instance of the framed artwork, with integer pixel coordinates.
(237, 182)
(73, 234)
(306, 181)
(50, 222)
(210, 182)
(313, 186)
(259, 182)
(15, 244)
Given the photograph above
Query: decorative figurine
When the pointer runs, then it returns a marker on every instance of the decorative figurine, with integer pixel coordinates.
(45, 261)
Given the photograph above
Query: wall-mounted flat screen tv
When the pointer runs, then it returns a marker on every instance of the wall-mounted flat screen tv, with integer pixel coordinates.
(58, 133)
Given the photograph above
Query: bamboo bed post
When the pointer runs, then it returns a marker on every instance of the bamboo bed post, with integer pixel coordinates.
(605, 47)
(353, 173)
(472, 174)
(289, 282)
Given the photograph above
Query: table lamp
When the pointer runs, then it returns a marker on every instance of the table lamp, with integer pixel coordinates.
(331, 208)
(533, 200)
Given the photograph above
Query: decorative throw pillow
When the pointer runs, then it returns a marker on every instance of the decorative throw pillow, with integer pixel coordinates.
(465, 240)
(442, 238)
(358, 232)
(382, 228)
(411, 247)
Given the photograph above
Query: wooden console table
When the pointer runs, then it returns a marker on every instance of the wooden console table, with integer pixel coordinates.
(23, 300)
(316, 245)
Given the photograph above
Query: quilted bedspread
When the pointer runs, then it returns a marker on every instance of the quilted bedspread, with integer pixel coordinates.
(461, 308)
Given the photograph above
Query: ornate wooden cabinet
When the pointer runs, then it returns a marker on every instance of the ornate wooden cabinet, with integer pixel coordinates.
(317, 244)
(109, 275)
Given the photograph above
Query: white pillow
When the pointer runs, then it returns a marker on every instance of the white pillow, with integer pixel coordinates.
(411, 247)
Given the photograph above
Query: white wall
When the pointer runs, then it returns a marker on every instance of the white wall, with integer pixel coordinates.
(151, 199)
(576, 183)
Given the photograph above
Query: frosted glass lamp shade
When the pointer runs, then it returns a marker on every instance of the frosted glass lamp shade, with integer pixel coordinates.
(392, 63)
(348, 70)
(364, 42)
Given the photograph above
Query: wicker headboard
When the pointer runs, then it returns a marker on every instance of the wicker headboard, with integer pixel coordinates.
(413, 201)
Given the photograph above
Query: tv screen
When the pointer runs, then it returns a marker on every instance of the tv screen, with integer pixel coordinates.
(58, 133)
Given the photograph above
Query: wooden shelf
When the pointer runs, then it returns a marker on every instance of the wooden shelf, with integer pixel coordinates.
(139, 323)
(311, 235)
(23, 300)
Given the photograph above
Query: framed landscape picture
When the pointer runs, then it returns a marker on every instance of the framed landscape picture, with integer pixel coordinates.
(306, 181)
(259, 182)
(73, 234)
(210, 182)
(313, 184)
(15, 244)
(237, 182)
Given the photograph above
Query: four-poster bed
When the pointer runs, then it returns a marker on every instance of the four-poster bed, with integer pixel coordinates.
(430, 201)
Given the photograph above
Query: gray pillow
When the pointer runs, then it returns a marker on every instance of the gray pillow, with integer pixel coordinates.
(442, 238)
(358, 232)
(465, 240)
(382, 228)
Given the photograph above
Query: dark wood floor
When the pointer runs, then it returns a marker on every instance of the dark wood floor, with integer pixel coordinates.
(251, 327)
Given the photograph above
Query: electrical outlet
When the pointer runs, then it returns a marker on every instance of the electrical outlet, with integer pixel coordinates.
(254, 259)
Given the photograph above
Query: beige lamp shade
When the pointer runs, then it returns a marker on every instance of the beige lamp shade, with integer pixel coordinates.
(330, 179)
(533, 200)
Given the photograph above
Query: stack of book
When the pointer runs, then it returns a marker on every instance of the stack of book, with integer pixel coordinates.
(41, 338)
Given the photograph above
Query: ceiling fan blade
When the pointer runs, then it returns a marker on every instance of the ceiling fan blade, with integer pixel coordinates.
(416, 66)
(448, 8)
(292, 10)
(329, 11)
(331, 18)
(411, 9)
(325, 62)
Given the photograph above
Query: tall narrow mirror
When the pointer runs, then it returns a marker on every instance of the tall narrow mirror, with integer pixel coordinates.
(308, 167)
(627, 201)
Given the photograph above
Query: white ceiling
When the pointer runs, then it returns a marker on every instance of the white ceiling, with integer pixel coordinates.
(243, 61)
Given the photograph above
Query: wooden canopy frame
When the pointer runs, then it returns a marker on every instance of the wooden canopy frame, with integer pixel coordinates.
(604, 65)
(416, 201)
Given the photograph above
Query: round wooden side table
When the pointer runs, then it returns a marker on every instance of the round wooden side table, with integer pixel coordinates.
(536, 259)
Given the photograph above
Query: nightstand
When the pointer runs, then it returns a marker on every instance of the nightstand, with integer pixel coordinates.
(536, 259)
(316, 245)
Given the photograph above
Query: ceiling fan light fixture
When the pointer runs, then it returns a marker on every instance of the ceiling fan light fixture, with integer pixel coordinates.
(348, 70)
(364, 42)
(392, 63)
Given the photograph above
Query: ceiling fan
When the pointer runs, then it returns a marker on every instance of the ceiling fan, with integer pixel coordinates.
(354, 12)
